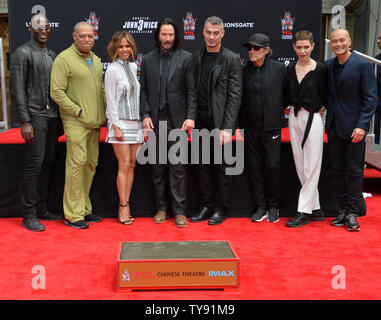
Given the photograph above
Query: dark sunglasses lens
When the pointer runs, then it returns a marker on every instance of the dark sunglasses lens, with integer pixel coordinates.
(256, 48)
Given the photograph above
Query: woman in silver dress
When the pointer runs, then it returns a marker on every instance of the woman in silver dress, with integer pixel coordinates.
(124, 125)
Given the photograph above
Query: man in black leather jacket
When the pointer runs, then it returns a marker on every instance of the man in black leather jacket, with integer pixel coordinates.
(218, 77)
(38, 118)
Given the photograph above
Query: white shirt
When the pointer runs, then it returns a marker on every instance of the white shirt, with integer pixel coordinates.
(117, 87)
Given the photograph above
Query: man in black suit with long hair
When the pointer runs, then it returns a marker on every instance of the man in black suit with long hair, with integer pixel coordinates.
(167, 97)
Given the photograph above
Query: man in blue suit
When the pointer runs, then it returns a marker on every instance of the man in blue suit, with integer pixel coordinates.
(377, 118)
(352, 101)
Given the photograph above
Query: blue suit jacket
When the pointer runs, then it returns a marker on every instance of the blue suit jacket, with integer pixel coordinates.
(352, 104)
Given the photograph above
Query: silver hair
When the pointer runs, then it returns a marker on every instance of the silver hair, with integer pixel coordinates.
(214, 20)
(81, 23)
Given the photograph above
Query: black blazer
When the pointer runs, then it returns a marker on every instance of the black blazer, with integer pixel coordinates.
(180, 87)
(352, 104)
(225, 87)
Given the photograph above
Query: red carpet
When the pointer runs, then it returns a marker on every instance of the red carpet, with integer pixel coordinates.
(275, 262)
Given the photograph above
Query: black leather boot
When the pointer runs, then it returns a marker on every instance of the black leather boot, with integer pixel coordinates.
(204, 214)
(218, 217)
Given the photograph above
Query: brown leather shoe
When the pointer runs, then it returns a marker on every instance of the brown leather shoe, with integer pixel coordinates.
(181, 221)
(160, 216)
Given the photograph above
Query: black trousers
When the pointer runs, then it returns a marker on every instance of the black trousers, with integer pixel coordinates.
(170, 180)
(213, 182)
(262, 154)
(347, 164)
(39, 156)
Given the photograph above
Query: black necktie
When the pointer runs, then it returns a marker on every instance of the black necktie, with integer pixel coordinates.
(163, 81)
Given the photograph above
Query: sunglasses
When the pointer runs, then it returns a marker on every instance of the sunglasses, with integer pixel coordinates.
(256, 48)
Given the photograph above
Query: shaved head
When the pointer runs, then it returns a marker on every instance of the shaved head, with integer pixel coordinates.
(38, 20)
(340, 44)
(340, 32)
(39, 29)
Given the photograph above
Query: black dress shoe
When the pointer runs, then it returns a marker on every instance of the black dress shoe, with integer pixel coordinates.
(217, 218)
(204, 214)
(50, 216)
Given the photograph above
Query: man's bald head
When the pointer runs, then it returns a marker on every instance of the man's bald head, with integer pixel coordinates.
(39, 21)
(39, 29)
(340, 44)
(340, 32)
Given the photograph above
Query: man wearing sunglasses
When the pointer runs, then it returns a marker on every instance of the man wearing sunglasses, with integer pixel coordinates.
(261, 116)
(38, 117)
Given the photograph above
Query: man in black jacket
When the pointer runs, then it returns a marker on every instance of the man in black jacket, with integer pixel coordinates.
(167, 97)
(218, 76)
(38, 118)
(261, 116)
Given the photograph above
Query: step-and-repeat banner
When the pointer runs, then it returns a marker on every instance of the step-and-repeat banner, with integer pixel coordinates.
(279, 19)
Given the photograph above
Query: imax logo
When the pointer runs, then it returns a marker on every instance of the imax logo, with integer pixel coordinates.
(218, 273)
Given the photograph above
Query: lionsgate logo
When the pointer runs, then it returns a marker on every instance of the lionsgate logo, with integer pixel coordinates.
(239, 25)
(51, 24)
(140, 25)
(178, 152)
(189, 27)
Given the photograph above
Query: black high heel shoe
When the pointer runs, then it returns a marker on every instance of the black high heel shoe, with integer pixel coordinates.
(129, 220)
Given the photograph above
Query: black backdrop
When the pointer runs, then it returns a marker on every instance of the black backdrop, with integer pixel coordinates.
(241, 17)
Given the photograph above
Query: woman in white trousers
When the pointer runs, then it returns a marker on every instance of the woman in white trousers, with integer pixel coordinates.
(307, 94)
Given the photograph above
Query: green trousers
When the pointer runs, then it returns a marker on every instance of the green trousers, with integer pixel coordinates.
(82, 149)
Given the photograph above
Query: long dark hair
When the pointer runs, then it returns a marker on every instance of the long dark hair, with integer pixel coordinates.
(176, 42)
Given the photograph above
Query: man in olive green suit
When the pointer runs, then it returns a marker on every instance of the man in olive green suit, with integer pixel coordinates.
(77, 87)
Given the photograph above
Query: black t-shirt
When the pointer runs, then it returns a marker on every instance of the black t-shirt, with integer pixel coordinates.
(337, 69)
(208, 63)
